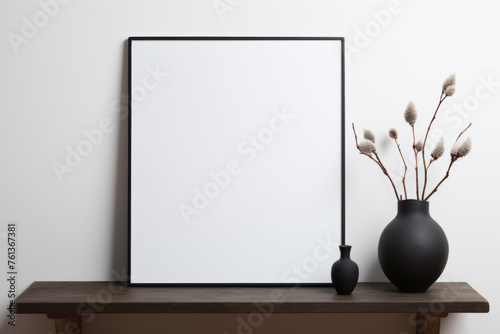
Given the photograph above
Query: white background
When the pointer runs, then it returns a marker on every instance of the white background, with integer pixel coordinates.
(69, 77)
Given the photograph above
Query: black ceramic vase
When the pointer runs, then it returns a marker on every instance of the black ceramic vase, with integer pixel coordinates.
(413, 248)
(345, 272)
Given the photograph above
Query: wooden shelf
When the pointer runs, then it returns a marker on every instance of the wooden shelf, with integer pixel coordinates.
(67, 301)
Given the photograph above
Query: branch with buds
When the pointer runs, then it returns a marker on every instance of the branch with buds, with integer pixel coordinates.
(393, 133)
(367, 147)
(459, 150)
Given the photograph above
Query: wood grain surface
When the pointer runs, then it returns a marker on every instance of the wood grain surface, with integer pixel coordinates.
(117, 297)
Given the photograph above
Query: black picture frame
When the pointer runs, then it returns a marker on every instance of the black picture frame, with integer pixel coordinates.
(151, 101)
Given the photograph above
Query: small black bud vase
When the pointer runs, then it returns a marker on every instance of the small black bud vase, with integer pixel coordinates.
(345, 272)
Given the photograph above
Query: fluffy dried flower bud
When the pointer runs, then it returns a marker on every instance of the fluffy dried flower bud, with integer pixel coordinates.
(393, 133)
(369, 135)
(454, 150)
(438, 151)
(461, 150)
(367, 147)
(411, 113)
(450, 81)
(419, 145)
(449, 91)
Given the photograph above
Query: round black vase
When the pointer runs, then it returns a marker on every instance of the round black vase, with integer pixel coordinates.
(413, 248)
(345, 272)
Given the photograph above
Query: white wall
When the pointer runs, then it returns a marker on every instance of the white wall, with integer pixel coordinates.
(69, 75)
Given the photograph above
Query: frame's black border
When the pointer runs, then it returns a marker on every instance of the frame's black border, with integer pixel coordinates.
(129, 101)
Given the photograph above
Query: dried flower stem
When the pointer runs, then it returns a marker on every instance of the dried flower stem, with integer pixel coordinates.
(416, 160)
(461, 133)
(442, 180)
(406, 168)
(377, 161)
(453, 159)
(441, 99)
(430, 162)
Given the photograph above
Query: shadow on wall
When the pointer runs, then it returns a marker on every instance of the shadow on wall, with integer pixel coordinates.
(119, 251)
(374, 272)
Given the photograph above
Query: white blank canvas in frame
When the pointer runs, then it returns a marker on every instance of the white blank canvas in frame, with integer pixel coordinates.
(235, 160)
